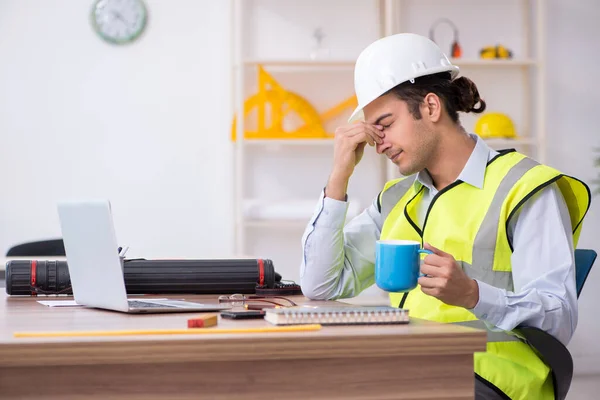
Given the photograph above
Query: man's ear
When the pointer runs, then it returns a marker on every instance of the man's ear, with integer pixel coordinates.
(432, 107)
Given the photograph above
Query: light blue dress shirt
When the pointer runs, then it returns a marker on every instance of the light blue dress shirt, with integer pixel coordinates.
(338, 261)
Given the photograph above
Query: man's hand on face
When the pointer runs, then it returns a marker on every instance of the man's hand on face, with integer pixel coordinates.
(349, 144)
(446, 280)
(348, 149)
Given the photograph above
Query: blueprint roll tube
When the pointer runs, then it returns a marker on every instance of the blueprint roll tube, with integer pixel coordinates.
(216, 276)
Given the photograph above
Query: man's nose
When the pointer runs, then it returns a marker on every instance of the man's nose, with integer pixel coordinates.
(382, 147)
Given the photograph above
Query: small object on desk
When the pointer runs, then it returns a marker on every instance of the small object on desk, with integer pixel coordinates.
(259, 307)
(243, 314)
(280, 289)
(367, 315)
(203, 321)
(59, 303)
(123, 251)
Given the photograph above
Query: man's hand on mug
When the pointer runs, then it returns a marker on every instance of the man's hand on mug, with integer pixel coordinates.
(446, 280)
(349, 146)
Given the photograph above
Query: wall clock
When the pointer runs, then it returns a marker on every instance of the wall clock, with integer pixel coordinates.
(119, 21)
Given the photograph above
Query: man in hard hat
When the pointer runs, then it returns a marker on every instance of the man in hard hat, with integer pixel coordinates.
(502, 228)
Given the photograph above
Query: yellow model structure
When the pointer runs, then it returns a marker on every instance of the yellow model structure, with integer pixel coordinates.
(276, 102)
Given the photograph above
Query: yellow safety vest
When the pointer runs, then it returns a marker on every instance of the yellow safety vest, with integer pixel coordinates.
(471, 224)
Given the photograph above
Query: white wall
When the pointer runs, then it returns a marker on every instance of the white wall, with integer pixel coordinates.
(573, 134)
(144, 125)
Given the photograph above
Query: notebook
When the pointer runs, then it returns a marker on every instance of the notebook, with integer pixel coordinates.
(337, 315)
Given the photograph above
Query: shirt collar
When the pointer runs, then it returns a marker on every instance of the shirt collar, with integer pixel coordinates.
(473, 172)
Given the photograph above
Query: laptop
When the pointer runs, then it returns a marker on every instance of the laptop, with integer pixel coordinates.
(95, 266)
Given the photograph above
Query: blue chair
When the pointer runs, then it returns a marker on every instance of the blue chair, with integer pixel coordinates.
(550, 349)
(584, 259)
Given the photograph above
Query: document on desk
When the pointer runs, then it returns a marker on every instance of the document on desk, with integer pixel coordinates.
(59, 303)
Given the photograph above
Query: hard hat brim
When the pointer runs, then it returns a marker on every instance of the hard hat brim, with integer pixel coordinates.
(357, 115)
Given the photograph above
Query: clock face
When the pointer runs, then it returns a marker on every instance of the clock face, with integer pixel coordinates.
(119, 21)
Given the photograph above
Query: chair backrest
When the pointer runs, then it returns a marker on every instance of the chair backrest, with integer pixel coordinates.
(552, 351)
(53, 247)
(584, 260)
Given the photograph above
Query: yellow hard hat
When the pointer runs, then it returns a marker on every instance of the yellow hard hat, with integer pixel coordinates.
(495, 125)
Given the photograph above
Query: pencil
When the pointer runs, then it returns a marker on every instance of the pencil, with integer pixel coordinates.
(289, 328)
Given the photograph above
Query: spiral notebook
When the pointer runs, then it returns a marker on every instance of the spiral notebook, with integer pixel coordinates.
(372, 315)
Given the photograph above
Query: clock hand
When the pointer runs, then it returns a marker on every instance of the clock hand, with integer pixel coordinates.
(118, 16)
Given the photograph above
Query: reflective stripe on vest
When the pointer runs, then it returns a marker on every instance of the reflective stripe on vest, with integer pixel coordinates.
(392, 195)
(489, 227)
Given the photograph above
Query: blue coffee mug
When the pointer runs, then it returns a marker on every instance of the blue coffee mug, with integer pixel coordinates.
(398, 264)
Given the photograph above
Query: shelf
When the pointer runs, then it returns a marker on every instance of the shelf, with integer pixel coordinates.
(329, 142)
(285, 213)
(302, 63)
(276, 223)
(349, 64)
(478, 62)
(288, 142)
(276, 210)
(511, 142)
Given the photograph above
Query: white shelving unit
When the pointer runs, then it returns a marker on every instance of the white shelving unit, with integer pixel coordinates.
(392, 16)
(247, 224)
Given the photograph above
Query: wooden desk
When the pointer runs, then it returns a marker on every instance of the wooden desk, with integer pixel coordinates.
(422, 360)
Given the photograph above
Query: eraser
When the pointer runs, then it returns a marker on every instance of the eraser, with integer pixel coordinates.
(204, 321)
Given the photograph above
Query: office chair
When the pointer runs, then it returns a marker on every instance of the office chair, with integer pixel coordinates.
(584, 259)
(550, 349)
(42, 248)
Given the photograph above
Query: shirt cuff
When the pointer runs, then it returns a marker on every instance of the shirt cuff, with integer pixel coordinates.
(333, 214)
(491, 304)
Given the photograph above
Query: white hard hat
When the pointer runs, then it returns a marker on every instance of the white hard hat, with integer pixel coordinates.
(392, 60)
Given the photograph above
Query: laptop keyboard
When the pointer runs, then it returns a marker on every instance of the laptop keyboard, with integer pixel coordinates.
(143, 304)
